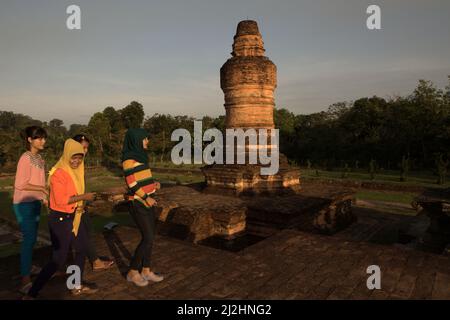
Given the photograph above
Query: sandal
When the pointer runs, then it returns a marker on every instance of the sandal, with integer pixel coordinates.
(152, 277)
(84, 289)
(105, 264)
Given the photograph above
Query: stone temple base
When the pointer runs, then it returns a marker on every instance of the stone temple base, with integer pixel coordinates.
(247, 180)
(435, 203)
(187, 213)
(316, 208)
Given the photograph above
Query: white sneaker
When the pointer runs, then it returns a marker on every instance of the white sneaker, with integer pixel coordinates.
(137, 279)
(25, 288)
(152, 277)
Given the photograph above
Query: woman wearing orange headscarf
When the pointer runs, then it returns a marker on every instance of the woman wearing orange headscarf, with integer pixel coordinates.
(67, 196)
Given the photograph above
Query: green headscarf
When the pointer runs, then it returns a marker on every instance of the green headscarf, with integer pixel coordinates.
(132, 145)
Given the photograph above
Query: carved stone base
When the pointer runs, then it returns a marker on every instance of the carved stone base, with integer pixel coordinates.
(435, 204)
(319, 209)
(188, 214)
(247, 180)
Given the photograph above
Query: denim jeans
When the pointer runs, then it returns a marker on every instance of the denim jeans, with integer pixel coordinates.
(27, 215)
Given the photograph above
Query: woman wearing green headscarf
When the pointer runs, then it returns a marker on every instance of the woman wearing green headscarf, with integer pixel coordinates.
(141, 186)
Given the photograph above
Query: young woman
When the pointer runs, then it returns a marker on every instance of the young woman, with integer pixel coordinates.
(85, 142)
(29, 193)
(138, 177)
(66, 208)
(96, 262)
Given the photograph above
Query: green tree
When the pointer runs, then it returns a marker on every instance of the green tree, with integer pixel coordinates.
(132, 115)
(115, 120)
(77, 129)
(428, 118)
(56, 124)
(372, 169)
(404, 168)
(160, 128)
(442, 167)
(99, 134)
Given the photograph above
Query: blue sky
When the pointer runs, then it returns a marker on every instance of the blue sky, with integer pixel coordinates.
(167, 54)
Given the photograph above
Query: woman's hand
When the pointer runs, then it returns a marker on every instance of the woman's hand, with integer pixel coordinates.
(150, 201)
(157, 185)
(45, 202)
(89, 196)
(45, 191)
(83, 197)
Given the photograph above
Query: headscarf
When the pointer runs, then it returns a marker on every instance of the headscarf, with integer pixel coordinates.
(71, 148)
(132, 145)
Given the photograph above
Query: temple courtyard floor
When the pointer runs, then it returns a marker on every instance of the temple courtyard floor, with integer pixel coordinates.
(288, 265)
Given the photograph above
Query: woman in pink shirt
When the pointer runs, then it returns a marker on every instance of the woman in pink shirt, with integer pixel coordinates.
(29, 192)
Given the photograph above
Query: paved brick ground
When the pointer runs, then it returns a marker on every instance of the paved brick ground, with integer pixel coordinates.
(289, 265)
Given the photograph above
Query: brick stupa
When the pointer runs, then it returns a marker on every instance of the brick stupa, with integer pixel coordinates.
(248, 81)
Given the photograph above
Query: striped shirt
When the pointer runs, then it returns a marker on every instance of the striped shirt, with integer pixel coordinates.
(138, 177)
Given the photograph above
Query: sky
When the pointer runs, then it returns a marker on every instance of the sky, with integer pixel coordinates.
(167, 54)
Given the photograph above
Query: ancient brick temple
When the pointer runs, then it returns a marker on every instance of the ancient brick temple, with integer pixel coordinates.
(248, 81)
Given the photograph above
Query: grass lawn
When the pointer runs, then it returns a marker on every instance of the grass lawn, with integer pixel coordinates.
(103, 179)
(397, 197)
(9, 250)
(422, 178)
(179, 178)
(6, 206)
(6, 182)
(169, 164)
(101, 183)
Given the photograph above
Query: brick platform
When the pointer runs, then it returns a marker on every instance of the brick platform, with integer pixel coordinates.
(288, 265)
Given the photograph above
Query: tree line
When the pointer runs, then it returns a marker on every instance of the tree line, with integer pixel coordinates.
(399, 133)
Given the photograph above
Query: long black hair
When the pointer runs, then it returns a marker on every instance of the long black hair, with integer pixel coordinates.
(80, 138)
(33, 132)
